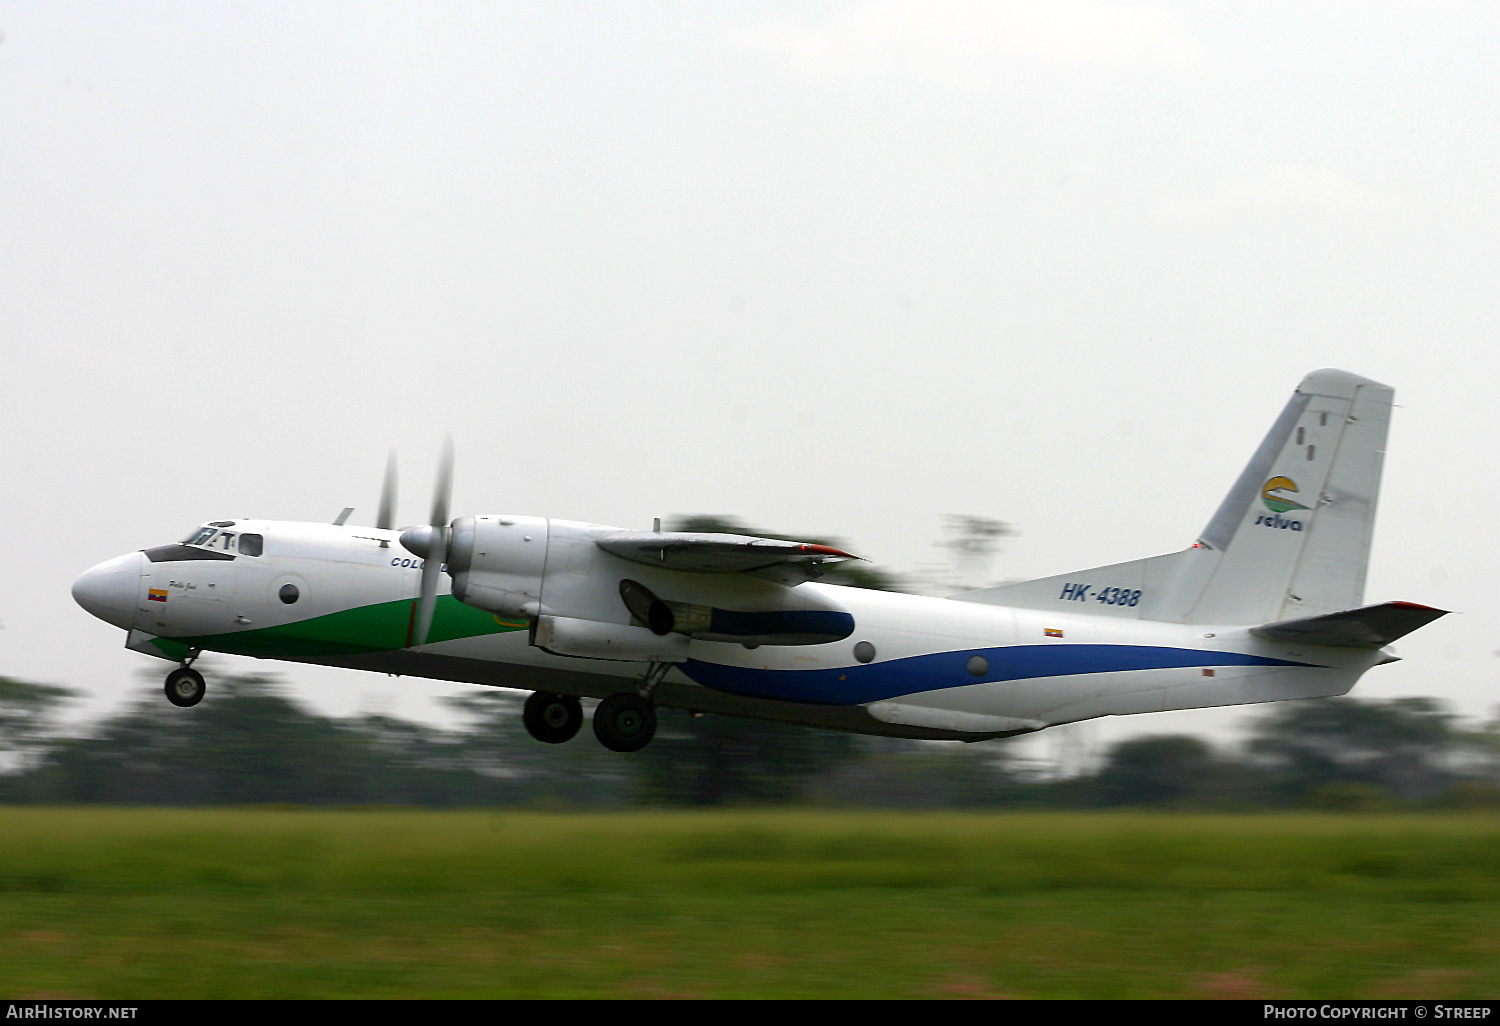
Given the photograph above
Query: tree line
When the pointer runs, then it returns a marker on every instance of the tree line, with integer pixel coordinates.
(254, 743)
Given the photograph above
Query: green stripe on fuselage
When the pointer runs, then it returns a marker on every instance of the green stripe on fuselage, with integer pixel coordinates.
(377, 628)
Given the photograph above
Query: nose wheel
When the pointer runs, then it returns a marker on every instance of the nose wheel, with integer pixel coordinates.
(185, 687)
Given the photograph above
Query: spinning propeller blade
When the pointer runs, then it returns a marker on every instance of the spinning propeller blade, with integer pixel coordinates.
(387, 518)
(437, 545)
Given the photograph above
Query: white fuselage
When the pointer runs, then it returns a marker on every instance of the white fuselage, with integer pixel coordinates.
(931, 667)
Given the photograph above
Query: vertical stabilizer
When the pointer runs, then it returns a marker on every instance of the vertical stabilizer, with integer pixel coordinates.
(1290, 540)
(1293, 534)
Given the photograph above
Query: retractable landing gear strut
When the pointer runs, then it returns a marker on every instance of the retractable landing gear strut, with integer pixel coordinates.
(185, 686)
(654, 674)
(626, 722)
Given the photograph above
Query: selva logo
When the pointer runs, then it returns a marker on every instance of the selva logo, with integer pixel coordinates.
(1276, 520)
(1274, 495)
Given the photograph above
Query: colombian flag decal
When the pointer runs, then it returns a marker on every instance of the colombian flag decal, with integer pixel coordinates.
(1052, 632)
(157, 594)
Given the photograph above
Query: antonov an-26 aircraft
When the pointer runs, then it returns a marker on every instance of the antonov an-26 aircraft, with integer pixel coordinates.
(1266, 606)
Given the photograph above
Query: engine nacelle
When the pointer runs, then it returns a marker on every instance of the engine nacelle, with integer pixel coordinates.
(590, 639)
(591, 603)
(497, 563)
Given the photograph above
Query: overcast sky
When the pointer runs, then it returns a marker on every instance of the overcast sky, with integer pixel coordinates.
(837, 268)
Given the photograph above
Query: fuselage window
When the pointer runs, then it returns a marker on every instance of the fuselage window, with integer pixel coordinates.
(251, 544)
(199, 537)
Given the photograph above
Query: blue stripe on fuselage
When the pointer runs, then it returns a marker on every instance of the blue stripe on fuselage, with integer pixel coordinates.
(856, 685)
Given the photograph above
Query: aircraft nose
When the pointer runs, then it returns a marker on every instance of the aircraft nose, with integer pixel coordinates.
(109, 590)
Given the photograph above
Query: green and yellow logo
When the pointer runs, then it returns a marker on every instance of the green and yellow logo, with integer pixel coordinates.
(1279, 503)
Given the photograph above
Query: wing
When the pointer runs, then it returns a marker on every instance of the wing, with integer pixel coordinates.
(723, 553)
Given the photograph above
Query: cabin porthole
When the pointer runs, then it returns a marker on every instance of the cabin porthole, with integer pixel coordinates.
(864, 651)
(288, 593)
(978, 665)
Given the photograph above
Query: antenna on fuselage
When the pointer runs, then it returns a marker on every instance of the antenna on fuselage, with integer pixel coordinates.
(338, 521)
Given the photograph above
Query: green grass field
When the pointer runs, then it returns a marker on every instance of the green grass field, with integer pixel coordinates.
(153, 904)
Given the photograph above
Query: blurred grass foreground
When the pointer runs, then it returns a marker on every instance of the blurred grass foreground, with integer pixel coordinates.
(152, 903)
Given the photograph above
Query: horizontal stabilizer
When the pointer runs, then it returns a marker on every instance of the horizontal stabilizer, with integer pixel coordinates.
(1366, 627)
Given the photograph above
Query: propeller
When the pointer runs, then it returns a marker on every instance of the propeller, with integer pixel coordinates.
(387, 519)
(430, 541)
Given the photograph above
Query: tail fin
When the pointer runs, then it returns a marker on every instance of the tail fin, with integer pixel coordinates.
(1290, 540)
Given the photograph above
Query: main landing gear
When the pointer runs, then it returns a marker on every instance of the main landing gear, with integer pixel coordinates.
(623, 722)
(185, 685)
(552, 718)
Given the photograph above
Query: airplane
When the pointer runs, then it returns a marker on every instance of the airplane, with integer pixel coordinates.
(1267, 605)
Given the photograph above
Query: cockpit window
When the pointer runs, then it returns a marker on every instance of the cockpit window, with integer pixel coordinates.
(251, 544)
(200, 536)
(212, 539)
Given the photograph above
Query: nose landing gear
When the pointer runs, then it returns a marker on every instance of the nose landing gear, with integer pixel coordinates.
(185, 687)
